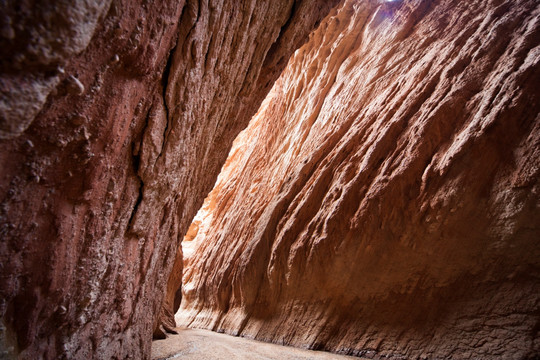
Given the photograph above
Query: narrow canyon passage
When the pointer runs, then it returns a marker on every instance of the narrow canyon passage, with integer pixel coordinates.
(115, 119)
(358, 177)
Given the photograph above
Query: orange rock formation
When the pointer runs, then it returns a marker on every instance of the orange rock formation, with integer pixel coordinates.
(384, 201)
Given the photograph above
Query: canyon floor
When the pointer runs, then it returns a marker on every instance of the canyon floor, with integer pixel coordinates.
(196, 344)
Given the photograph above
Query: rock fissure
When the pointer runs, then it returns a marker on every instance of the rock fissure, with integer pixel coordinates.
(165, 80)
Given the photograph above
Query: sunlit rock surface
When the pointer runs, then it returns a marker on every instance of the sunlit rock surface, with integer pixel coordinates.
(104, 165)
(384, 200)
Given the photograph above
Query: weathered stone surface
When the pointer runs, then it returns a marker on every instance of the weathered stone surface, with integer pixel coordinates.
(37, 38)
(97, 193)
(384, 200)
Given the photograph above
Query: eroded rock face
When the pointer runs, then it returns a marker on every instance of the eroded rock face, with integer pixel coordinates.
(99, 190)
(37, 38)
(384, 200)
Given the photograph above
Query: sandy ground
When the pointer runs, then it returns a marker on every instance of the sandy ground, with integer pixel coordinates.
(195, 344)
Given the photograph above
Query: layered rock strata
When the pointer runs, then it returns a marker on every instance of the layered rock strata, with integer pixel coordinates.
(116, 118)
(384, 201)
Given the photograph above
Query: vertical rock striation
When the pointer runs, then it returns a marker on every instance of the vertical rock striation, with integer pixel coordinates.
(115, 119)
(384, 201)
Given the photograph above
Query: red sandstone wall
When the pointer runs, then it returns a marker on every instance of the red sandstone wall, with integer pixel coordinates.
(384, 201)
(115, 119)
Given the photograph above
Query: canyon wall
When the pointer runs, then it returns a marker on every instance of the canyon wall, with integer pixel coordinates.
(384, 201)
(115, 119)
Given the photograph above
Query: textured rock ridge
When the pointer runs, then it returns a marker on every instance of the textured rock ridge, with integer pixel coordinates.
(104, 171)
(384, 200)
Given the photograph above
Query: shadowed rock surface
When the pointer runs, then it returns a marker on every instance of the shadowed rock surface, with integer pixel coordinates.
(130, 108)
(37, 38)
(385, 198)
